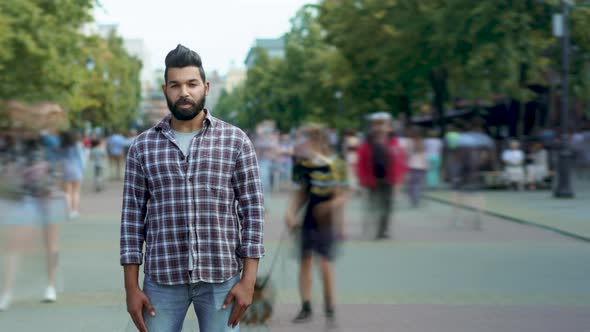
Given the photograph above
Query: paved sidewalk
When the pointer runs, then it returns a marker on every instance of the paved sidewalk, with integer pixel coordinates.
(431, 277)
(569, 217)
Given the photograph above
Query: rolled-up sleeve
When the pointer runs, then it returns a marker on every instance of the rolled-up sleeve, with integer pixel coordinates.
(135, 199)
(248, 189)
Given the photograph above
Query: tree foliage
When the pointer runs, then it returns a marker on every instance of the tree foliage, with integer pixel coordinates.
(44, 56)
(404, 56)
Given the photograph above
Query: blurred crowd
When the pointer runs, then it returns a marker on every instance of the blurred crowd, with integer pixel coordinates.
(389, 159)
(42, 172)
(41, 175)
(324, 170)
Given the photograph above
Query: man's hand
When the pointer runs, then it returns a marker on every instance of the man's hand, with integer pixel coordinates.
(241, 294)
(136, 300)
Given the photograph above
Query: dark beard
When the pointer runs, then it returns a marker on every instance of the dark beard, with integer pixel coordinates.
(185, 114)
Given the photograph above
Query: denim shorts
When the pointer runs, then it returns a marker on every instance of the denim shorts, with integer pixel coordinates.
(32, 211)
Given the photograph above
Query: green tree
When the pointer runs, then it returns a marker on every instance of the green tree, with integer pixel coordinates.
(436, 49)
(364, 33)
(41, 48)
(580, 69)
(44, 55)
(298, 88)
(109, 91)
(397, 55)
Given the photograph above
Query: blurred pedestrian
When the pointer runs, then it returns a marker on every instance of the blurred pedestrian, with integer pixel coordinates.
(350, 144)
(514, 158)
(434, 146)
(116, 145)
(321, 176)
(29, 200)
(417, 164)
(50, 140)
(98, 157)
(285, 161)
(72, 159)
(451, 157)
(193, 195)
(472, 156)
(537, 168)
(382, 164)
(267, 146)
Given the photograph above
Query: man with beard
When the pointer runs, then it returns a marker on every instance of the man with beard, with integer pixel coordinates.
(193, 195)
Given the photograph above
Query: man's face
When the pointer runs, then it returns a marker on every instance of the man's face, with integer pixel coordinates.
(381, 127)
(185, 92)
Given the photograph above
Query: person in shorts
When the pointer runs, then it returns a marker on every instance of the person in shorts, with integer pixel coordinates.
(322, 178)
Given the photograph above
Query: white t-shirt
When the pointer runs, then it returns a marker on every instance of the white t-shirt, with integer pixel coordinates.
(513, 157)
(433, 147)
(184, 141)
(416, 160)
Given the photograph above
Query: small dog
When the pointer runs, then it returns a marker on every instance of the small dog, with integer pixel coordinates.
(260, 311)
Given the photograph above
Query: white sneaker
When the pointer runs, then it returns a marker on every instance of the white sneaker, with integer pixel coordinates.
(5, 301)
(50, 294)
(74, 214)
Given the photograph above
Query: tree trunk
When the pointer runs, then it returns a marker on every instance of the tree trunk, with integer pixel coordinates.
(438, 82)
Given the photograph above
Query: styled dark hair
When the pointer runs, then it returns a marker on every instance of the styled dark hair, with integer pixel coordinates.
(181, 57)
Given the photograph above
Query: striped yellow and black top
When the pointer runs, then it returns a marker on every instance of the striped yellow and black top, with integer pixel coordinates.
(321, 175)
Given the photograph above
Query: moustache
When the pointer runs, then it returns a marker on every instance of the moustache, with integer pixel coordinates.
(184, 100)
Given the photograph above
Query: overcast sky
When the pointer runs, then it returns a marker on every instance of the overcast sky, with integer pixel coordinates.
(221, 31)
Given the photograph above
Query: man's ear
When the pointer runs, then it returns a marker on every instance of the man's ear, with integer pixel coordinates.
(207, 87)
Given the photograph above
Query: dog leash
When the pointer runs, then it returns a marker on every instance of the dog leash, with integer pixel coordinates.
(282, 239)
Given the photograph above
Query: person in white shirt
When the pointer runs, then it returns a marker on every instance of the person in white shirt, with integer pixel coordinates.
(350, 144)
(284, 162)
(513, 159)
(538, 168)
(433, 145)
(266, 144)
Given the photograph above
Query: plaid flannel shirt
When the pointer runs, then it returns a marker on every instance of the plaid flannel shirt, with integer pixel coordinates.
(211, 198)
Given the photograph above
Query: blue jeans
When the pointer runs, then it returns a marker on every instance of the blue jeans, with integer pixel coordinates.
(172, 302)
(416, 185)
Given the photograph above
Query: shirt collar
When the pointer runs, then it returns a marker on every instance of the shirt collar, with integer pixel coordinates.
(164, 125)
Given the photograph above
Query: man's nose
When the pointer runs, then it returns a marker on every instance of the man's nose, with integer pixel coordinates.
(183, 91)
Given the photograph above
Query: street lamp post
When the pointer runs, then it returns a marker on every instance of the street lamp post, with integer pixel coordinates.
(563, 189)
